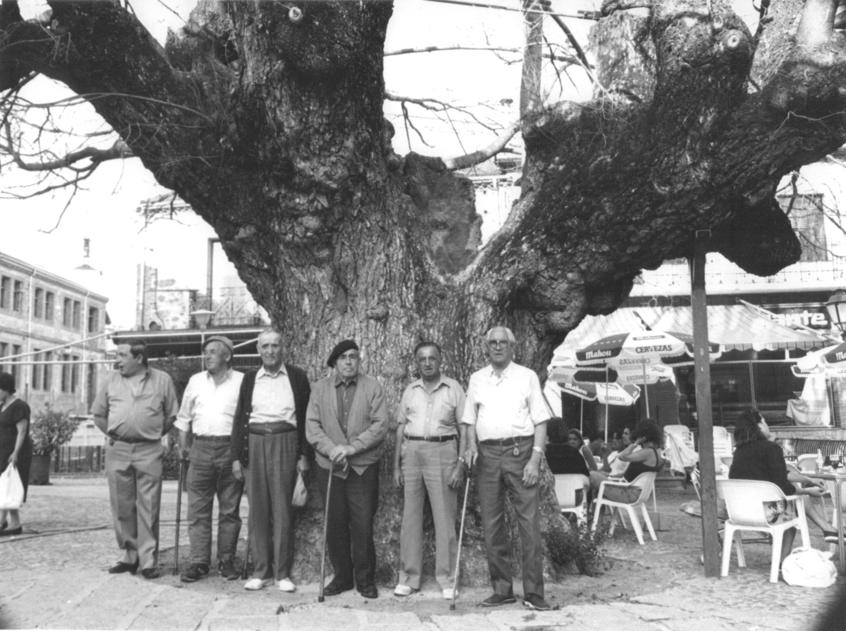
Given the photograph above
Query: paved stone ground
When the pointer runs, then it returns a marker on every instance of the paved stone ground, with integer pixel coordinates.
(53, 576)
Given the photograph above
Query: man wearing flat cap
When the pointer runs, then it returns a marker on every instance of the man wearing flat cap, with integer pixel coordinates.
(268, 448)
(346, 423)
(205, 426)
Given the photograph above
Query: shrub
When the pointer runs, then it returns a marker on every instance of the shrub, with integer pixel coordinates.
(49, 429)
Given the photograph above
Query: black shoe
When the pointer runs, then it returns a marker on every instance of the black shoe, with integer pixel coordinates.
(495, 600)
(120, 567)
(829, 535)
(195, 572)
(368, 591)
(227, 570)
(533, 601)
(335, 588)
(150, 573)
(11, 532)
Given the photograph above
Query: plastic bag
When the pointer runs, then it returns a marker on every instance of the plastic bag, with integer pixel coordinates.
(11, 489)
(808, 567)
(300, 493)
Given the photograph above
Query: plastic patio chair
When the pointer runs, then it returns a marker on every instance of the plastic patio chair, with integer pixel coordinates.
(807, 463)
(567, 488)
(745, 506)
(646, 483)
(679, 449)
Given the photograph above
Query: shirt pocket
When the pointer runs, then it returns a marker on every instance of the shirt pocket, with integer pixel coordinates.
(445, 415)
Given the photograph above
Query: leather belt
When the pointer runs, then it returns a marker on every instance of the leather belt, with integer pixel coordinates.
(213, 439)
(131, 440)
(266, 429)
(432, 439)
(504, 442)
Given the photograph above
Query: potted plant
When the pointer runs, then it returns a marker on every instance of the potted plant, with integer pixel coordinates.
(48, 430)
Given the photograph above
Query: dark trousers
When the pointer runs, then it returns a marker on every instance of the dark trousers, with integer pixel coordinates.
(500, 471)
(352, 506)
(210, 475)
(270, 487)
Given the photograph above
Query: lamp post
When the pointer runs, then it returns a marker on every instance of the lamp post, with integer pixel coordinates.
(202, 317)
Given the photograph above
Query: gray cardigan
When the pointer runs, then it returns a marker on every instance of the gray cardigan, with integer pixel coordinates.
(367, 424)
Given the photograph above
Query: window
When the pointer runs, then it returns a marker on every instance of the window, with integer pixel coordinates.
(38, 303)
(93, 319)
(66, 312)
(17, 298)
(91, 383)
(36, 370)
(75, 373)
(5, 292)
(16, 350)
(66, 372)
(47, 371)
(49, 306)
(807, 216)
(77, 315)
(4, 350)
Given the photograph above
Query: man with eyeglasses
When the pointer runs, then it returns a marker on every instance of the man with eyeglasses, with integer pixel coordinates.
(506, 417)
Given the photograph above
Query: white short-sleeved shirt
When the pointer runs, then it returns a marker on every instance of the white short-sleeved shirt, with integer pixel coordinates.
(208, 407)
(504, 406)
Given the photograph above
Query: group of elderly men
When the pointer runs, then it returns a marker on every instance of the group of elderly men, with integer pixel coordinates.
(263, 429)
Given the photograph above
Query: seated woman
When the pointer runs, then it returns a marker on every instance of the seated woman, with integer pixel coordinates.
(563, 457)
(642, 456)
(757, 458)
(612, 466)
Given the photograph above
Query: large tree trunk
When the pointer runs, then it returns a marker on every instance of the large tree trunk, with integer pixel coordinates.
(269, 123)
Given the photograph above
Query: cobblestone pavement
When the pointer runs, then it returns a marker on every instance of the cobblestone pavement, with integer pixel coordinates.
(53, 576)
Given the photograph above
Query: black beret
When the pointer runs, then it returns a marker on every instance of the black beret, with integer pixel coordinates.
(340, 348)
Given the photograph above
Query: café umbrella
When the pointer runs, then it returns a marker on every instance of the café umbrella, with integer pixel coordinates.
(593, 384)
(610, 393)
(644, 352)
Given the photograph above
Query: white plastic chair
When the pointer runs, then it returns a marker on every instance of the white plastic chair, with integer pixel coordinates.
(646, 483)
(745, 506)
(566, 487)
(807, 463)
(679, 448)
(723, 447)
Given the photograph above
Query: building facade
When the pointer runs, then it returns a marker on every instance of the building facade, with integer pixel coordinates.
(52, 337)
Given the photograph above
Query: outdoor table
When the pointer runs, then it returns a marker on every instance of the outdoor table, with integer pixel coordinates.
(835, 476)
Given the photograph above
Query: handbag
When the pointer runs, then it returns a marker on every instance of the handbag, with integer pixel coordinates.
(808, 567)
(11, 489)
(300, 496)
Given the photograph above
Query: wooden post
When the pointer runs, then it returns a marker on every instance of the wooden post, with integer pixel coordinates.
(698, 305)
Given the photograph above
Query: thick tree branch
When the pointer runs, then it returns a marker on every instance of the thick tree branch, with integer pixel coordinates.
(479, 156)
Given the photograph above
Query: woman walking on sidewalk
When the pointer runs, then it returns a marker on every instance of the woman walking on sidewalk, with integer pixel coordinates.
(15, 446)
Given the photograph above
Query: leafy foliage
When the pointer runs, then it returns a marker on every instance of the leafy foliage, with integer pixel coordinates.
(579, 546)
(51, 429)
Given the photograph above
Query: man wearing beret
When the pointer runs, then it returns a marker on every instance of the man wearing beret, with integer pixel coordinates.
(346, 423)
(205, 424)
(268, 448)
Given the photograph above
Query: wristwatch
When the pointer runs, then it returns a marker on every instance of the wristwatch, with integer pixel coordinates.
(537, 449)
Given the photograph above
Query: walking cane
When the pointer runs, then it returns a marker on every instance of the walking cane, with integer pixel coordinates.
(325, 527)
(178, 513)
(460, 537)
(245, 573)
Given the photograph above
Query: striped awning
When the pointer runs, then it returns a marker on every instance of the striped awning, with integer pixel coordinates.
(734, 327)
